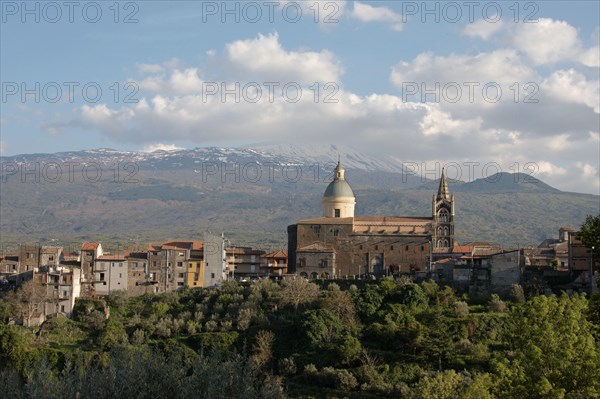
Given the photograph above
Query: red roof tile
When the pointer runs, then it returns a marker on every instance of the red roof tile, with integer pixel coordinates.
(90, 246)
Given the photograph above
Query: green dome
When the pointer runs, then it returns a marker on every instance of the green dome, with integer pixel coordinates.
(338, 188)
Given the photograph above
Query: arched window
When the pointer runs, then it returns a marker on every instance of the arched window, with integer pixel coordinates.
(314, 275)
(443, 215)
(304, 275)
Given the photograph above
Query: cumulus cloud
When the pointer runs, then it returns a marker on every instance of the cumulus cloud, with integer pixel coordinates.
(547, 41)
(265, 58)
(367, 13)
(572, 86)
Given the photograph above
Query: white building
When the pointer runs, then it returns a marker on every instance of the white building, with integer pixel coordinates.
(110, 274)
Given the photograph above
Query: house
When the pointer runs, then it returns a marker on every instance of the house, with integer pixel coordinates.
(243, 262)
(169, 264)
(138, 279)
(62, 287)
(90, 251)
(110, 274)
(274, 264)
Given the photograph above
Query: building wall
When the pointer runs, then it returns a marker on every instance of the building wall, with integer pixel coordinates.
(195, 274)
(137, 281)
(316, 264)
(214, 260)
(359, 254)
(505, 271)
(110, 276)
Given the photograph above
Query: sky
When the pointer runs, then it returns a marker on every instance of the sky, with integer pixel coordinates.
(515, 85)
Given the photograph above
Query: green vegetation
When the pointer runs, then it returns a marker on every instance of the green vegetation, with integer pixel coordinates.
(388, 338)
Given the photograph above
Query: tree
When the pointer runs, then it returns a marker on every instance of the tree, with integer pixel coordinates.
(297, 292)
(552, 351)
(590, 234)
(340, 304)
(30, 298)
(262, 350)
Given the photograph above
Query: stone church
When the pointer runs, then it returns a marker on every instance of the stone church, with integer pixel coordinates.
(342, 245)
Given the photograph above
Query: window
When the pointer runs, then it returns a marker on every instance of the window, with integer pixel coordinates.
(391, 247)
(179, 264)
(337, 213)
(336, 232)
(154, 263)
(101, 276)
(376, 247)
(407, 247)
(422, 248)
(120, 275)
(212, 275)
(301, 262)
(181, 254)
(180, 275)
(360, 246)
(51, 258)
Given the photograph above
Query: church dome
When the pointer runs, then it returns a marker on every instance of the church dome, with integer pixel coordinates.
(338, 199)
(338, 188)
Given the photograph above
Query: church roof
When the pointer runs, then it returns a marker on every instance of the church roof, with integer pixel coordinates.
(370, 220)
(443, 192)
(339, 187)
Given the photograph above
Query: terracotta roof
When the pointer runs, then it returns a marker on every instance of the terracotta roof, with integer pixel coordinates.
(391, 219)
(324, 220)
(175, 245)
(566, 229)
(276, 254)
(462, 248)
(90, 246)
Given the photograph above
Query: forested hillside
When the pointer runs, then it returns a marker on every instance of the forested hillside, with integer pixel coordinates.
(391, 338)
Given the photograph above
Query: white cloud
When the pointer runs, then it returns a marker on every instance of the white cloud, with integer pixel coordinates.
(160, 147)
(572, 86)
(591, 57)
(265, 58)
(367, 13)
(502, 66)
(546, 41)
(483, 29)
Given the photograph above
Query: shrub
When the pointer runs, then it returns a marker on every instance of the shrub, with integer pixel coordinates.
(461, 308)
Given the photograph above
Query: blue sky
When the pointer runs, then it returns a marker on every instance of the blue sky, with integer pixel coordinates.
(372, 54)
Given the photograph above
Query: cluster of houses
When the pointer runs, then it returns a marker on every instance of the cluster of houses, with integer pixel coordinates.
(91, 272)
(480, 268)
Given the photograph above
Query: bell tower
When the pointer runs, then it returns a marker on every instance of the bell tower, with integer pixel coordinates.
(442, 208)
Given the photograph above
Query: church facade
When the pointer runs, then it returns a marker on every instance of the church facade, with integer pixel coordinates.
(342, 245)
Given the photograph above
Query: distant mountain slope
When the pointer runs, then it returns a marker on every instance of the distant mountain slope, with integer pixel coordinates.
(181, 194)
